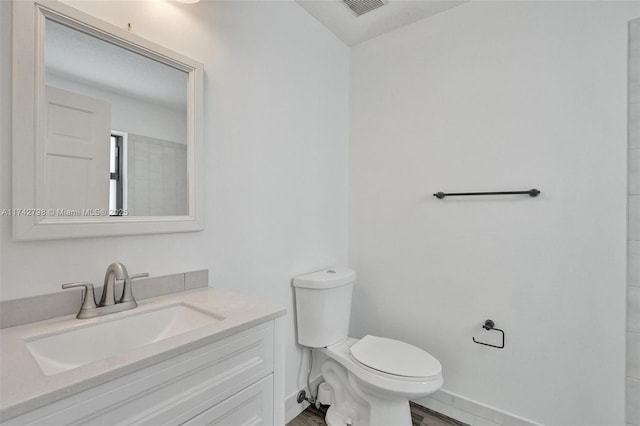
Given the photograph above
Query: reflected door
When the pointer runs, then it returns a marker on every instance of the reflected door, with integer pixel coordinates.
(76, 152)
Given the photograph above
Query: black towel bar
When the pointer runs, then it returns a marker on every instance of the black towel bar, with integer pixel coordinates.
(531, 192)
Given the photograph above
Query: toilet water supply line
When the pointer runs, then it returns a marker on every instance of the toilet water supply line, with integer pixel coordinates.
(312, 399)
(302, 395)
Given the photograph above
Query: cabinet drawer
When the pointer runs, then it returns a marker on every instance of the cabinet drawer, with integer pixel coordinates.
(252, 406)
(170, 392)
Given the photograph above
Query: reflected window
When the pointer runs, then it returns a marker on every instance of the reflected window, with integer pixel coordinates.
(116, 170)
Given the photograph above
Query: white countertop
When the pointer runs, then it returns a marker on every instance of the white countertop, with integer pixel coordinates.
(23, 386)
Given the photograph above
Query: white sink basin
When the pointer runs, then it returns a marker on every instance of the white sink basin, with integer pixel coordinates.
(116, 334)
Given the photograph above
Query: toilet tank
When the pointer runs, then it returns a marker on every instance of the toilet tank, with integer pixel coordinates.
(323, 306)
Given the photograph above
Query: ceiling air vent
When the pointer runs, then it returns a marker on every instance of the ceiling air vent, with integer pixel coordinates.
(360, 7)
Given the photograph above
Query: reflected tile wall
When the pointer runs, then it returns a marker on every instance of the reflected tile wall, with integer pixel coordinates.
(156, 177)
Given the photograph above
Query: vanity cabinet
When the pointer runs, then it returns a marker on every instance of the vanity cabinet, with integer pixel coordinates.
(248, 407)
(227, 382)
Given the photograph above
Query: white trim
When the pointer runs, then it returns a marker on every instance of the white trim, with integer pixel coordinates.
(28, 83)
(279, 370)
(444, 402)
(291, 406)
(469, 411)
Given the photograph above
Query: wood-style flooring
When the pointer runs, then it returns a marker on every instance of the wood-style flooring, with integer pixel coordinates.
(420, 416)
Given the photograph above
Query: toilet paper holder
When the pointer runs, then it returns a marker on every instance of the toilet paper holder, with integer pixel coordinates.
(490, 325)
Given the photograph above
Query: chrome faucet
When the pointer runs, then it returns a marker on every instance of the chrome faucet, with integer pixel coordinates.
(114, 271)
(108, 303)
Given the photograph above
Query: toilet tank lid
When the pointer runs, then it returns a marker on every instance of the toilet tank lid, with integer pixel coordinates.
(328, 278)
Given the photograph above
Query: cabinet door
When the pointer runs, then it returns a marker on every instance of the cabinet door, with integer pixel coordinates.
(252, 406)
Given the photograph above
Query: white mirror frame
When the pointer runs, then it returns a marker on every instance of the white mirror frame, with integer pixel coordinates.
(28, 136)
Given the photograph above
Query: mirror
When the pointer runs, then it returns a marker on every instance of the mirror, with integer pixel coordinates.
(139, 165)
(117, 130)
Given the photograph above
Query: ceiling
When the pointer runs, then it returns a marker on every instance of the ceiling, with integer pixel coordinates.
(352, 29)
(85, 59)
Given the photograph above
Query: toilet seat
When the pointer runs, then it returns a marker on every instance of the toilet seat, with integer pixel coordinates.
(395, 357)
(388, 384)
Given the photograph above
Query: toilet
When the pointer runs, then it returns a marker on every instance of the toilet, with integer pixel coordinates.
(372, 378)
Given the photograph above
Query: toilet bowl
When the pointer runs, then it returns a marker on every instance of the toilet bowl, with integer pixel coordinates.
(366, 395)
(372, 378)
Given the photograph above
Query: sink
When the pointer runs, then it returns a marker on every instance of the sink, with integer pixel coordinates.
(107, 337)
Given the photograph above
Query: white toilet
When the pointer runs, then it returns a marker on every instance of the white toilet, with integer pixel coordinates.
(373, 378)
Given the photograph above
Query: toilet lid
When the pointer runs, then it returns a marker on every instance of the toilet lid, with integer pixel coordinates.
(395, 357)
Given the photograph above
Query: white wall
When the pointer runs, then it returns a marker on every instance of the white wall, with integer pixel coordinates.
(498, 96)
(633, 231)
(276, 141)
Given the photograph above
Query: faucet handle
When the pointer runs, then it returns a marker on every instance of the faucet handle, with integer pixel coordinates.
(127, 291)
(140, 275)
(89, 300)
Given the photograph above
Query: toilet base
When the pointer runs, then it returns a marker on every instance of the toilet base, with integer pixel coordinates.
(335, 418)
(354, 405)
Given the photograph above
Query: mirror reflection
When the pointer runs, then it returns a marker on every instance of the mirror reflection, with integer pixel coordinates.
(116, 128)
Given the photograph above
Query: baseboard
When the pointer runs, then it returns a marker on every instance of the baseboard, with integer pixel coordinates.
(469, 411)
(444, 402)
(291, 406)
